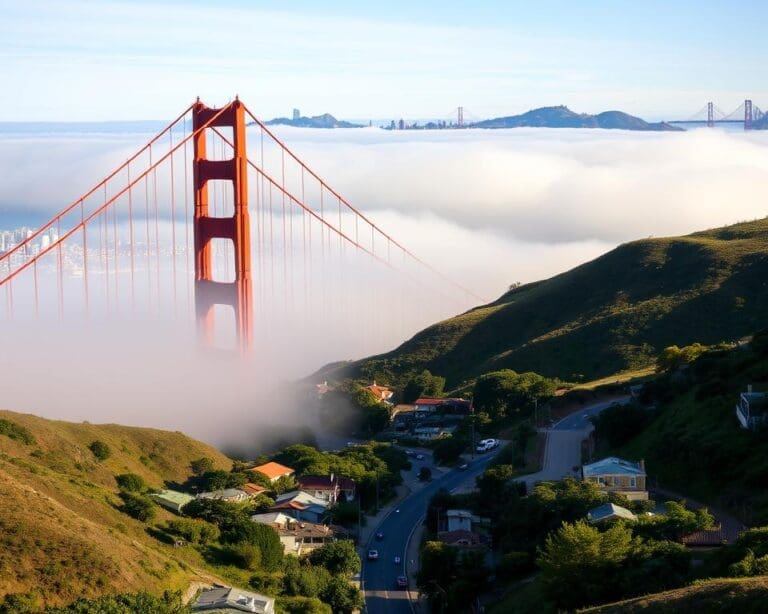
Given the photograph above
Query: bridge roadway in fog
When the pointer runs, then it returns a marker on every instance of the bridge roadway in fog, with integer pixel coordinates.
(563, 453)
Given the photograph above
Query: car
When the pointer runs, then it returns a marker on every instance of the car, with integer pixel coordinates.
(419, 457)
(402, 582)
(487, 444)
(397, 560)
(379, 535)
(463, 467)
(410, 452)
(373, 555)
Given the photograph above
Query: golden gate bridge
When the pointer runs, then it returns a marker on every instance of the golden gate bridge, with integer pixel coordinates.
(216, 218)
(746, 113)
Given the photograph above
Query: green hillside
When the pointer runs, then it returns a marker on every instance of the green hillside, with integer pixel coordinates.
(609, 315)
(744, 595)
(61, 534)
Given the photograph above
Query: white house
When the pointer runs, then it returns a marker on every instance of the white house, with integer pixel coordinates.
(752, 409)
(228, 599)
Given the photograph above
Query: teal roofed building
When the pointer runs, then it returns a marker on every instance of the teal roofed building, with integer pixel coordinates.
(615, 474)
(609, 511)
(171, 499)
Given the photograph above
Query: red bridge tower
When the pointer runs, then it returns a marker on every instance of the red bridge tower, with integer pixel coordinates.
(210, 292)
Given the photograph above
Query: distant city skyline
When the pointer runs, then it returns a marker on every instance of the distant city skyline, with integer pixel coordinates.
(84, 60)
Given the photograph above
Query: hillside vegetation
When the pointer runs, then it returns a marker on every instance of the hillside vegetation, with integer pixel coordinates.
(744, 595)
(563, 117)
(609, 315)
(61, 533)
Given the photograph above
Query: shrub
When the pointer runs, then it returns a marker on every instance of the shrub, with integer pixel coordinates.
(337, 557)
(245, 555)
(448, 450)
(200, 466)
(130, 482)
(194, 531)
(20, 603)
(100, 450)
(303, 605)
(137, 506)
(425, 474)
(16, 431)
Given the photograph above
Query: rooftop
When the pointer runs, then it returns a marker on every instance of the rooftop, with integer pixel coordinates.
(172, 496)
(609, 510)
(227, 493)
(253, 489)
(273, 470)
(613, 466)
(228, 599)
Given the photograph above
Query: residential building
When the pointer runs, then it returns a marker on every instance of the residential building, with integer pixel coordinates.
(329, 488)
(171, 499)
(447, 406)
(462, 520)
(228, 599)
(609, 511)
(231, 495)
(462, 538)
(274, 471)
(301, 506)
(752, 409)
(252, 489)
(298, 537)
(382, 393)
(614, 474)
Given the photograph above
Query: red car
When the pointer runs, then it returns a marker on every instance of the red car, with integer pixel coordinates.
(402, 582)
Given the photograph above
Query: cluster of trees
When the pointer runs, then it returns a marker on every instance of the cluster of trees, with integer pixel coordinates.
(421, 385)
(503, 394)
(674, 357)
(452, 579)
(12, 430)
(351, 408)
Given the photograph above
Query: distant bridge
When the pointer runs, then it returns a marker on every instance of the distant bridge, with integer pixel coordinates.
(746, 113)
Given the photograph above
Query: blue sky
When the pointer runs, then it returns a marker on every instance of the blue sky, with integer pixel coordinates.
(85, 60)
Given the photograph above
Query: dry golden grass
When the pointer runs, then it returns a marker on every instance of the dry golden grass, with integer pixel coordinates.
(61, 534)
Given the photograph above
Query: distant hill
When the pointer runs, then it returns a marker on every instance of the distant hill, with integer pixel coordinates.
(744, 595)
(61, 534)
(326, 120)
(614, 313)
(563, 117)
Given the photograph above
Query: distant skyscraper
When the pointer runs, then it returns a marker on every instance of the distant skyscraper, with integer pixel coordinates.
(296, 114)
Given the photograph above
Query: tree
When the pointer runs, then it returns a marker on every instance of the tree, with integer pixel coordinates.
(448, 450)
(202, 465)
(339, 557)
(20, 603)
(169, 603)
(425, 474)
(260, 535)
(137, 506)
(306, 580)
(423, 385)
(245, 555)
(100, 450)
(341, 595)
(578, 563)
(303, 605)
(503, 392)
(194, 531)
(219, 479)
(130, 482)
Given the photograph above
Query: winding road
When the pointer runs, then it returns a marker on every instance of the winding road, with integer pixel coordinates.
(563, 453)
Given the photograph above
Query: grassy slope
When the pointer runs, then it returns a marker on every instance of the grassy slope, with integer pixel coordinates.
(60, 533)
(609, 315)
(747, 596)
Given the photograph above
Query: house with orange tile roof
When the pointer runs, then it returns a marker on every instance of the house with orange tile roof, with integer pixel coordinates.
(382, 393)
(253, 489)
(273, 471)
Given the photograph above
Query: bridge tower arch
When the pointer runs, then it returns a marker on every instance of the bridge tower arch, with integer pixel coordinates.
(210, 292)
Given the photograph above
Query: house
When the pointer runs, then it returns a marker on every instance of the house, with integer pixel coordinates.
(274, 471)
(382, 393)
(446, 406)
(322, 389)
(301, 506)
(609, 511)
(298, 537)
(462, 520)
(230, 495)
(228, 599)
(252, 489)
(752, 409)
(328, 488)
(614, 474)
(461, 538)
(171, 499)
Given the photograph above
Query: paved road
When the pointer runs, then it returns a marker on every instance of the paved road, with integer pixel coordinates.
(382, 595)
(563, 450)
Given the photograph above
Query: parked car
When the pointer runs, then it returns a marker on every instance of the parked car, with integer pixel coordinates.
(373, 555)
(487, 444)
(402, 582)
(397, 560)
(419, 457)
(463, 467)
(410, 452)
(379, 535)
